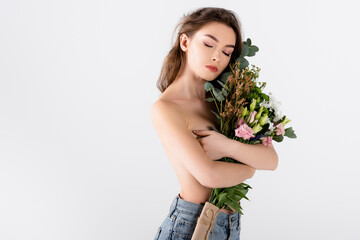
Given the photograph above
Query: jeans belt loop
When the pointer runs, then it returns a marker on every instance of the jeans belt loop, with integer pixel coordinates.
(173, 207)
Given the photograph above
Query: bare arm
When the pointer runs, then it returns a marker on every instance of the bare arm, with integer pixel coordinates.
(217, 145)
(180, 144)
(230, 174)
(257, 156)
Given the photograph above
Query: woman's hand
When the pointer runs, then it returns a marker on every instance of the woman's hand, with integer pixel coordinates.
(213, 143)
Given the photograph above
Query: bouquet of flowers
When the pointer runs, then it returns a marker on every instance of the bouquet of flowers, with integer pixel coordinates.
(246, 114)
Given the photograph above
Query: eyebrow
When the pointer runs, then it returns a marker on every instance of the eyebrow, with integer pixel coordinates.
(211, 36)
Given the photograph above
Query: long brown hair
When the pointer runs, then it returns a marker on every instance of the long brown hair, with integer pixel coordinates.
(190, 24)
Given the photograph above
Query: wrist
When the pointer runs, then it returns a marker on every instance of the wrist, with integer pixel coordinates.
(229, 148)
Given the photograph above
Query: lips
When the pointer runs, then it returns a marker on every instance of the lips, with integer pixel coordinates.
(212, 68)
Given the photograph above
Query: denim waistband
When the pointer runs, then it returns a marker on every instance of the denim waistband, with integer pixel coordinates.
(195, 209)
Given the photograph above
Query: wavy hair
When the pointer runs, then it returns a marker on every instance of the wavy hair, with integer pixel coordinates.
(189, 24)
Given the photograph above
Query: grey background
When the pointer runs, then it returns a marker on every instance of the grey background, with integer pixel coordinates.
(79, 158)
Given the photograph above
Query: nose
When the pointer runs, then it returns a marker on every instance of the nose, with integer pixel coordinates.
(215, 57)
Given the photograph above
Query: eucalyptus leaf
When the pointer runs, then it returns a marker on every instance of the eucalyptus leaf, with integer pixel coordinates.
(221, 97)
(256, 48)
(251, 52)
(223, 85)
(225, 93)
(210, 99)
(278, 138)
(248, 41)
(289, 132)
(216, 114)
(243, 63)
(208, 86)
(244, 50)
(218, 94)
(224, 76)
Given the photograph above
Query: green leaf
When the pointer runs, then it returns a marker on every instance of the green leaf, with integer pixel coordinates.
(244, 50)
(236, 197)
(224, 76)
(266, 97)
(223, 85)
(218, 94)
(256, 48)
(225, 93)
(217, 115)
(289, 132)
(278, 138)
(235, 206)
(248, 41)
(251, 52)
(243, 63)
(241, 194)
(242, 186)
(217, 191)
(245, 185)
(210, 99)
(230, 190)
(208, 86)
(222, 199)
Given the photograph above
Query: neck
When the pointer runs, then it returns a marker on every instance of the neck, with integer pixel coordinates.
(189, 85)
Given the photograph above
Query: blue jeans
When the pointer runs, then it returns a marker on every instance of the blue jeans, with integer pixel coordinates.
(181, 221)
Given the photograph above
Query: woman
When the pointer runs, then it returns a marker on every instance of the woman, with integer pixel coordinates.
(208, 40)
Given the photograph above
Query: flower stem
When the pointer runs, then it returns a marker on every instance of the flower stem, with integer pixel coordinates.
(217, 108)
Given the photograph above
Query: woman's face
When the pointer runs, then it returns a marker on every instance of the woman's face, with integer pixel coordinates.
(212, 45)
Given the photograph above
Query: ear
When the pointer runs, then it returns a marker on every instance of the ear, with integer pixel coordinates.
(184, 42)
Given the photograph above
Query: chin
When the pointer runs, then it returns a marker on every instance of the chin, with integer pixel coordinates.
(209, 77)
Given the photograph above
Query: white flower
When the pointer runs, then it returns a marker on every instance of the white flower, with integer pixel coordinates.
(275, 105)
(278, 115)
(265, 104)
(271, 125)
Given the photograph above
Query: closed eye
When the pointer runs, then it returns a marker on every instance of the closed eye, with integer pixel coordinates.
(211, 47)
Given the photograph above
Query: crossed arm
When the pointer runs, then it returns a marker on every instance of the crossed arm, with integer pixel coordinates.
(257, 156)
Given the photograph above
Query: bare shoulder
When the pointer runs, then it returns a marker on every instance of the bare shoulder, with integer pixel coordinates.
(179, 142)
(168, 110)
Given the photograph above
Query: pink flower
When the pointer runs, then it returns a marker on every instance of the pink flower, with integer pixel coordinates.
(280, 129)
(252, 116)
(239, 122)
(266, 141)
(244, 131)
